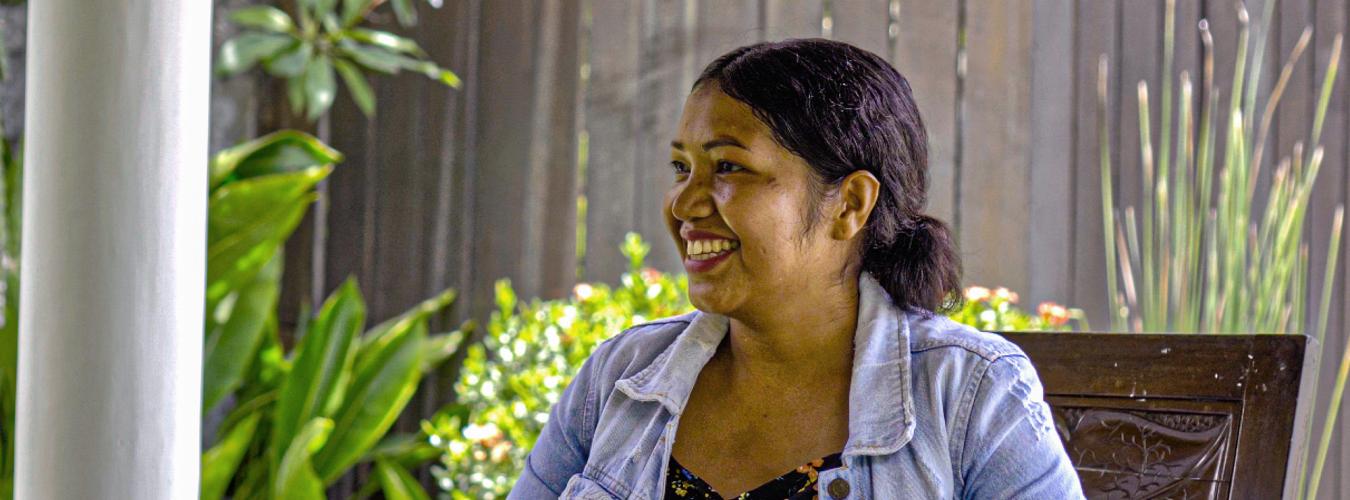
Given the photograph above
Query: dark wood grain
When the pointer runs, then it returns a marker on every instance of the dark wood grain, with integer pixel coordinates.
(1178, 391)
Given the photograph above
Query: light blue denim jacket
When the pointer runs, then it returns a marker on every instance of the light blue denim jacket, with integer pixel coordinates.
(936, 410)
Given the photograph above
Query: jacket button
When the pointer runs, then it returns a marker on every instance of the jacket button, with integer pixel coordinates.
(838, 488)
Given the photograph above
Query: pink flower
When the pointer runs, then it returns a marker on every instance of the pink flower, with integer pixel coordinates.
(583, 291)
(651, 275)
(977, 293)
(1006, 295)
(1052, 313)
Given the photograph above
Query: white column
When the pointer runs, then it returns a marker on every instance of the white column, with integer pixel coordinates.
(114, 236)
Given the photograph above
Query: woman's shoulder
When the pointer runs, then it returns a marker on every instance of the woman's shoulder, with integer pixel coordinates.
(638, 346)
(937, 334)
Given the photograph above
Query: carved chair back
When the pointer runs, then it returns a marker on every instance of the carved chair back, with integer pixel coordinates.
(1179, 416)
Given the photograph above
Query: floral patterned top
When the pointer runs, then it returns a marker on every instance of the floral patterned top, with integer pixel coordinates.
(798, 484)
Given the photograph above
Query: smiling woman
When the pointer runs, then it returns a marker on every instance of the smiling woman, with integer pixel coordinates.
(815, 363)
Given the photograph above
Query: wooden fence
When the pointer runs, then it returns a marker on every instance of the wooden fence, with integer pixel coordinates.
(577, 98)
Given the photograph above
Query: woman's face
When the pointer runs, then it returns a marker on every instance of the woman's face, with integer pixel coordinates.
(738, 211)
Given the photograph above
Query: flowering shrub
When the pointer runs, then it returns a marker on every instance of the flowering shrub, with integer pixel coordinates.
(996, 310)
(532, 351)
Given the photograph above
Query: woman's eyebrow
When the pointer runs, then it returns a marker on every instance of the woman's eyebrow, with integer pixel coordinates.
(715, 143)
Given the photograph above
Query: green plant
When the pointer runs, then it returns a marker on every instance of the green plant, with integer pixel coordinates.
(1200, 260)
(530, 353)
(996, 310)
(11, 209)
(303, 418)
(323, 38)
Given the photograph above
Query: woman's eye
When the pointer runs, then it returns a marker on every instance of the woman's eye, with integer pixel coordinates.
(679, 167)
(728, 167)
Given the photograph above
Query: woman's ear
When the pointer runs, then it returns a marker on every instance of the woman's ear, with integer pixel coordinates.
(857, 194)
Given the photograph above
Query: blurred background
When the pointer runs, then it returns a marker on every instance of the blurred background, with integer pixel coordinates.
(553, 147)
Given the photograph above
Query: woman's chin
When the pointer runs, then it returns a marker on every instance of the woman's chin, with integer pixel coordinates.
(710, 299)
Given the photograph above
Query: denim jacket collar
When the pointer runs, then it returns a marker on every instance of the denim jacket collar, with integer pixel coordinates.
(881, 413)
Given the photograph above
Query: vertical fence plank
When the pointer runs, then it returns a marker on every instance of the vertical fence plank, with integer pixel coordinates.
(724, 25)
(792, 18)
(1140, 53)
(1096, 36)
(504, 211)
(865, 23)
(663, 85)
(1330, 20)
(993, 195)
(611, 124)
(557, 156)
(925, 52)
(1050, 185)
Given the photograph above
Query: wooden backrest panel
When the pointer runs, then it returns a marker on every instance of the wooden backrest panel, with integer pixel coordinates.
(1172, 416)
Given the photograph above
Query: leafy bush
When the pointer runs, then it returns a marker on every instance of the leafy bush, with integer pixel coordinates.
(532, 351)
(996, 311)
(321, 39)
(303, 418)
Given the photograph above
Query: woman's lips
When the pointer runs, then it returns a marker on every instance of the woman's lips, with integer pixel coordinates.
(701, 266)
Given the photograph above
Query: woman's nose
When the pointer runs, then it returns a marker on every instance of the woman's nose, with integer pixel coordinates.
(692, 199)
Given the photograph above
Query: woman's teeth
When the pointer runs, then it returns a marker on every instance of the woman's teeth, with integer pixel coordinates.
(707, 249)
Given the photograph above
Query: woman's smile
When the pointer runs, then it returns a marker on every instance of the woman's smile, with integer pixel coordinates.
(704, 250)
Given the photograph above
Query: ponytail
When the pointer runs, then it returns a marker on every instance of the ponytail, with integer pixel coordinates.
(920, 267)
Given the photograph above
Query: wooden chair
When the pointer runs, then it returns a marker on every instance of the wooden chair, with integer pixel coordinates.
(1179, 416)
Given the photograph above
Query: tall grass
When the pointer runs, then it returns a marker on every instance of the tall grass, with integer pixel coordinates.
(1198, 255)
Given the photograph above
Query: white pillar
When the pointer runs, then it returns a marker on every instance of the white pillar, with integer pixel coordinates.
(114, 257)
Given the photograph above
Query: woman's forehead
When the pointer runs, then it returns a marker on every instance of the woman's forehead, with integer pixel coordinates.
(709, 113)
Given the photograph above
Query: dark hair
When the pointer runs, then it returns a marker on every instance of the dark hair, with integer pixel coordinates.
(844, 109)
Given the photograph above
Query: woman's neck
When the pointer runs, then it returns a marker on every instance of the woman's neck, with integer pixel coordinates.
(808, 336)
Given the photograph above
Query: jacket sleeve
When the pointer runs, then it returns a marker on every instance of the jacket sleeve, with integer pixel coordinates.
(1011, 449)
(565, 443)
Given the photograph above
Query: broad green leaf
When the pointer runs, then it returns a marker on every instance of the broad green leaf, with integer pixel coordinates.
(249, 221)
(323, 7)
(221, 461)
(296, 478)
(263, 17)
(438, 348)
(277, 152)
(230, 347)
(238, 205)
(372, 58)
(352, 11)
(408, 450)
(387, 40)
(397, 483)
(295, 95)
(292, 61)
(241, 53)
(405, 12)
(320, 87)
(377, 396)
(319, 375)
(380, 336)
(357, 86)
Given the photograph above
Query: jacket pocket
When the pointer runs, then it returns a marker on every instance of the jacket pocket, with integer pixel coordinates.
(580, 487)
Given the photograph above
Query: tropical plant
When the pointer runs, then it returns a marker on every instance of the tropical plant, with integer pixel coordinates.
(1200, 260)
(322, 38)
(300, 419)
(11, 209)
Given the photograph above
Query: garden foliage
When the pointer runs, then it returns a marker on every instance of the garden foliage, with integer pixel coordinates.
(1202, 254)
(300, 419)
(323, 39)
